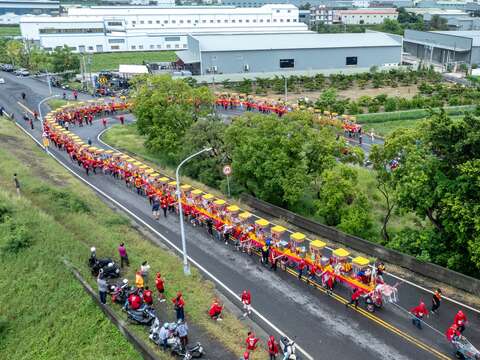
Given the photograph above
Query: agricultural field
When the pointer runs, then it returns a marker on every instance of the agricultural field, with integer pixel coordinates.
(111, 61)
(10, 31)
(57, 217)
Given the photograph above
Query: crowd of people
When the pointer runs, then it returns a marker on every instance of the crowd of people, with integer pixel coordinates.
(221, 223)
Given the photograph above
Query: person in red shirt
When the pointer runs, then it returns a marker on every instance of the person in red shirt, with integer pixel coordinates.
(148, 296)
(301, 265)
(179, 304)
(134, 301)
(418, 313)
(104, 122)
(251, 341)
(272, 346)
(355, 298)
(460, 320)
(164, 205)
(160, 284)
(452, 333)
(122, 119)
(215, 311)
(247, 302)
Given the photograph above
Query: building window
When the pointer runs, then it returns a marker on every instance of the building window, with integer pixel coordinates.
(278, 11)
(219, 21)
(173, 21)
(172, 38)
(133, 47)
(268, 20)
(189, 21)
(169, 46)
(261, 20)
(142, 22)
(281, 20)
(114, 23)
(351, 60)
(211, 21)
(114, 47)
(184, 46)
(233, 20)
(134, 22)
(149, 21)
(90, 48)
(158, 21)
(116, 41)
(140, 47)
(240, 20)
(274, 20)
(247, 21)
(159, 46)
(287, 63)
(204, 21)
(289, 11)
(152, 47)
(254, 20)
(165, 21)
(288, 20)
(181, 21)
(177, 46)
(225, 21)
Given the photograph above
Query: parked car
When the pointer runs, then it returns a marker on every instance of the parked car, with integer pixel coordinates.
(2, 81)
(7, 67)
(22, 72)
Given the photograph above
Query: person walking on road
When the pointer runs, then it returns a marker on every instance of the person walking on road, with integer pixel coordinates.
(17, 183)
(104, 123)
(418, 313)
(156, 207)
(301, 265)
(436, 299)
(122, 251)
(460, 320)
(355, 298)
(75, 95)
(160, 284)
(272, 346)
(102, 287)
(247, 302)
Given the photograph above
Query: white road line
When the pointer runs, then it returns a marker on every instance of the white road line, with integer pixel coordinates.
(205, 271)
(331, 249)
(24, 108)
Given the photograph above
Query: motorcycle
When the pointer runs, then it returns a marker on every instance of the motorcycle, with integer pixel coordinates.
(120, 292)
(174, 343)
(143, 316)
(288, 348)
(110, 268)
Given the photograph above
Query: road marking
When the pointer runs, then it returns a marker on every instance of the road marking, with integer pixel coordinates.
(205, 271)
(329, 248)
(25, 108)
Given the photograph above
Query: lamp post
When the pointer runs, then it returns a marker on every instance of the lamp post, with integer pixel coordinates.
(186, 267)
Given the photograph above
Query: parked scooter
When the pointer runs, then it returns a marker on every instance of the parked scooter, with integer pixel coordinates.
(173, 341)
(110, 268)
(143, 316)
(288, 348)
(119, 292)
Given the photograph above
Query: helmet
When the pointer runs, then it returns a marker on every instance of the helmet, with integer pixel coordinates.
(92, 249)
(179, 321)
(125, 281)
(110, 264)
(165, 325)
(172, 326)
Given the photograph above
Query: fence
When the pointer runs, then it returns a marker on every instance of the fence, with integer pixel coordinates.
(430, 270)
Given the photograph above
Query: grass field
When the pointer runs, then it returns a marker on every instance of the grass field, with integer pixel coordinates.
(56, 103)
(10, 31)
(58, 217)
(110, 61)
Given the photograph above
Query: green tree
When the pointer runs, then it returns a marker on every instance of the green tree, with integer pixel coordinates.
(63, 60)
(166, 108)
(14, 50)
(327, 99)
(438, 23)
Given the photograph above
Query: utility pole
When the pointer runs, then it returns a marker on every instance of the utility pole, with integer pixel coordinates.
(286, 89)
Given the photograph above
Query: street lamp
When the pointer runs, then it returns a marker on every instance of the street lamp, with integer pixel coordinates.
(186, 267)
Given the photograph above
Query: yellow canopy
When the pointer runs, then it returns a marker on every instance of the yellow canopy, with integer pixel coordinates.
(108, 151)
(149, 171)
(78, 141)
(208, 196)
(233, 208)
(164, 179)
(185, 187)
(143, 167)
(172, 183)
(92, 148)
(197, 192)
(298, 237)
(219, 202)
(340, 252)
(359, 260)
(155, 174)
(245, 215)
(137, 163)
(317, 244)
(117, 154)
(124, 157)
(278, 229)
(84, 146)
(262, 222)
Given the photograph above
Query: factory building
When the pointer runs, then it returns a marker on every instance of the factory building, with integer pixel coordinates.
(260, 53)
(443, 47)
(107, 29)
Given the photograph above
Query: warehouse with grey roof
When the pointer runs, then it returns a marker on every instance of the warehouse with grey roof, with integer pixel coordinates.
(281, 52)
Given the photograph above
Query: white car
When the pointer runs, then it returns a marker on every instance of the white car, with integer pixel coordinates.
(2, 81)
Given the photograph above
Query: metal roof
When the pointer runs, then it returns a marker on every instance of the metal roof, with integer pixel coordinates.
(472, 34)
(245, 42)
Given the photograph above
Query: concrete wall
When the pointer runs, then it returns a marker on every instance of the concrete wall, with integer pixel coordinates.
(437, 39)
(305, 59)
(433, 271)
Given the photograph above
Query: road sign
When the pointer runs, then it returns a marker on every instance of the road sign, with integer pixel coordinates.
(227, 170)
(102, 80)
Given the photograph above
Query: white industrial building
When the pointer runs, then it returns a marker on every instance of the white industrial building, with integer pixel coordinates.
(367, 16)
(126, 28)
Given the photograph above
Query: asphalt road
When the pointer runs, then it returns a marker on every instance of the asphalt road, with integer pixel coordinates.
(323, 326)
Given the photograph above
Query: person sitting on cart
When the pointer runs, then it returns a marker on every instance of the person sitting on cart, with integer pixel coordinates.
(452, 333)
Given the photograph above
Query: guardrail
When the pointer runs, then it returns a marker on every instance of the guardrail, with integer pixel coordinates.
(430, 270)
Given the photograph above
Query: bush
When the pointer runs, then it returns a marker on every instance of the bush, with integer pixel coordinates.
(4, 212)
(390, 105)
(17, 237)
(64, 199)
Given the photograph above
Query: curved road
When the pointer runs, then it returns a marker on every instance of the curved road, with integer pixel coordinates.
(324, 327)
